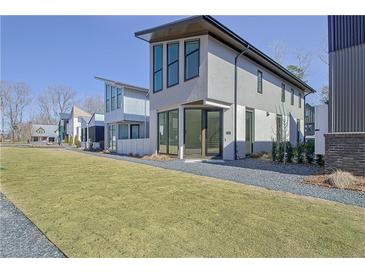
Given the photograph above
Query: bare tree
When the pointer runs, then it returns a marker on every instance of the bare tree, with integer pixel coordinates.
(16, 101)
(301, 68)
(53, 101)
(279, 50)
(93, 104)
(4, 93)
(323, 52)
(324, 94)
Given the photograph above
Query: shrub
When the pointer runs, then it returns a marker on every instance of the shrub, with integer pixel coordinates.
(298, 153)
(289, 152)
(76, 139)
(273, 150)
(341, 179)
(319, 159)
(70, 139)
(309, 151)
(280, 152)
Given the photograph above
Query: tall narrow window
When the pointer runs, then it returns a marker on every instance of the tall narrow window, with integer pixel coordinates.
(292, 97)
(192, 59)
(134, 131)
(114, 98)
(298, 132)
(172, 64)
(157, 68)
(300, 100)
(283, 92)
(279, 128)
(122, 131)
(119, 98)
(107, 98)
(259, 81)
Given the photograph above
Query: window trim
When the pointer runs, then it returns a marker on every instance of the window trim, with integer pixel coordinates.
(292, 96)
(283, 92)
(176, 61)
(185, 56)
(167, 112)
(153, 67)
(260, 81)
(115, 97)
(130, 131)
(300, 100)
(107, 100)
(120, 125)
(119, 95)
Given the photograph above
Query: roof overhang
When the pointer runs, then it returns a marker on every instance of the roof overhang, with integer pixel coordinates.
(207, 25)
(121, 84)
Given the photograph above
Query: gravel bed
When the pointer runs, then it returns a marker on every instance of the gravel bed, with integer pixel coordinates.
(262, 173)
(19, 237)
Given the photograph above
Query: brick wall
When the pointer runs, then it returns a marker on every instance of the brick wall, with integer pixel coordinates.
(345, 151)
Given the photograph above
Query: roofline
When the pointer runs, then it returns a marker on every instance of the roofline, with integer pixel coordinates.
(122, 84)
(235, 36)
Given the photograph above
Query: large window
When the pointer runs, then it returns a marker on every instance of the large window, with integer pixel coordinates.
(107, 98)
(119, 97)
(259, 81)
(112, 137)
(168, 132)
(283, 92)
(123, 131)
(114, 98)
(172, 64)
(300, 100)
(292, 97)
(134, 131)
(191, 59)
(157, 68)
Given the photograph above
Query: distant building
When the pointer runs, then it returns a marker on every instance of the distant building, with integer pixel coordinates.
(44, 133)
(92, 133)
(70, 123)
(345, 142)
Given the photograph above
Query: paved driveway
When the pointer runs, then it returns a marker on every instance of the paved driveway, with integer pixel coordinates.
(273, 176)
(19, 237)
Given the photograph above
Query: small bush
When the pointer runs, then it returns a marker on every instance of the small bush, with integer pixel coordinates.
(280, 152)
(298, 153)
(289, 152)
(70, 140)
(341, 179)
(309, 151)
(273, 150)
(319, 159)
(76, 139)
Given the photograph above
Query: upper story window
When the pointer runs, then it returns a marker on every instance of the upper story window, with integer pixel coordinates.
(300, 100)
(114, 98)
(292, 97)
(157, 67)
(282, 92)
(119, 98)
(172, 64)
(192, 59)
(259, 81)
(107, 98)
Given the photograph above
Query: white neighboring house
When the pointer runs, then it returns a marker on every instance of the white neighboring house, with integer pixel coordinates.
(321, 128)
(44, 133)
(78, 116)
(214, 95)
(126, 117)
(92, 132)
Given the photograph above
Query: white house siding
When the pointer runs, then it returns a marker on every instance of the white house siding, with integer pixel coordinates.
(134, 146)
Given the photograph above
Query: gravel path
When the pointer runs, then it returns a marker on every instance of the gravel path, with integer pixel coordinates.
(19, 237)
(273, 176)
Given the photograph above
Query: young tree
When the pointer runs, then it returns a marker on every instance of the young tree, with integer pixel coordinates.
(300, 69)
(16, 100)
(93, 104)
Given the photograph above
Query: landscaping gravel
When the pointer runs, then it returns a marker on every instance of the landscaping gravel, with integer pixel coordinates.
(19, 237)
(263, 173)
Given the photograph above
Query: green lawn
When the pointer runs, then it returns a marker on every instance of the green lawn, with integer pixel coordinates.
(95, 207)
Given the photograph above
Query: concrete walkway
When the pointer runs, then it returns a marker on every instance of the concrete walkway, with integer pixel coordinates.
(20, 238)
(273, 176)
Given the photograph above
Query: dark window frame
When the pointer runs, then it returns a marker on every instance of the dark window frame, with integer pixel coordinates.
(157, 71)
(260, 85)
(113, 97)
(167, 112)
(300, 100)
(119, 131)
(119, 98)
(186, 55)
(107, 98)
(292, 96)
(283, 92)
(130, 131)
(172, 63)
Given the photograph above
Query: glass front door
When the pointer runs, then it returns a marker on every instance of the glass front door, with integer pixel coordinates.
(249, 132)
(168, 136)
(193, 132)
(113, 137)
(213, 133)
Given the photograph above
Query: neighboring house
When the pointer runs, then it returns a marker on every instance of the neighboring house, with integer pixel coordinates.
(345, 141)
(126, 113)
(321, 128)
(212, 94)
(44, 133)
(309, 121)
(92, 134)
(63, 125)
(78, 117)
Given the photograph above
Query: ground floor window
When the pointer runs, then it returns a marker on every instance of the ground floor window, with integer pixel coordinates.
(134, 128)
(123, 131)
(168, 132)
(51, 139)
(298, 131)
(112, 137)
(279, 128)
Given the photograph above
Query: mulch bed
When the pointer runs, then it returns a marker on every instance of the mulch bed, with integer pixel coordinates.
(321, 180)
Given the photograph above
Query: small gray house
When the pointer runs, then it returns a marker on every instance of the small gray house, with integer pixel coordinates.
(44, 133)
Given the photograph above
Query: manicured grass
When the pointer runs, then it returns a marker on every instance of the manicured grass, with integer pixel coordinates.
(95, 207)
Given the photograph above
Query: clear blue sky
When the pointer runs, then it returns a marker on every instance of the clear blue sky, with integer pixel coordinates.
(71, 50)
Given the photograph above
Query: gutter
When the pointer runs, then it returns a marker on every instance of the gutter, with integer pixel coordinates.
(235, 100)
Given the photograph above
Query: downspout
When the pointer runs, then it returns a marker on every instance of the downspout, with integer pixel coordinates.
(235, 100)
(145, 114)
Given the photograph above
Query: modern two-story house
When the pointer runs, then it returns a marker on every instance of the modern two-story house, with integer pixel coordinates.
(214, 95)
(126, 113)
